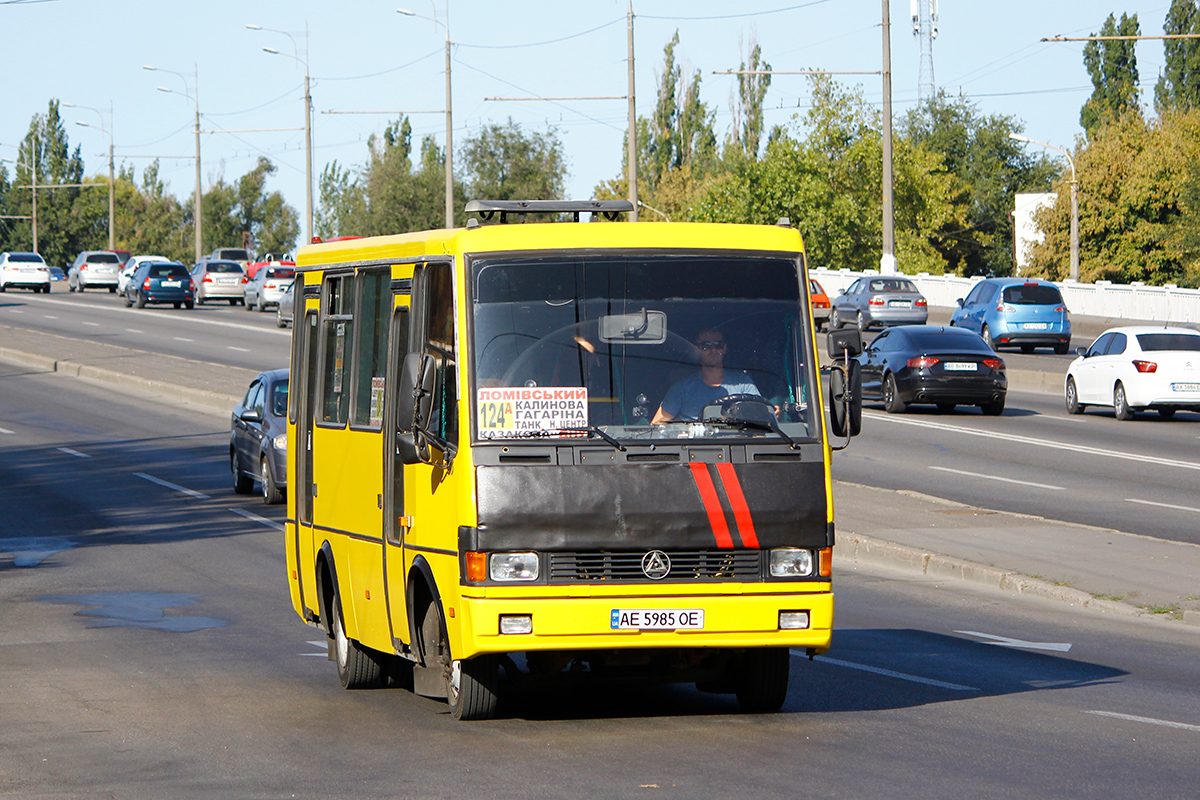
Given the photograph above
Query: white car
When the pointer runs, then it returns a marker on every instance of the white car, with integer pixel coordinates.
(1137, 368)
(25, 271)
(131, 267)
(268, 285)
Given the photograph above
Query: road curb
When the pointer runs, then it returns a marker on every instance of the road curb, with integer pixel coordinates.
(856, 548)
(208, 401)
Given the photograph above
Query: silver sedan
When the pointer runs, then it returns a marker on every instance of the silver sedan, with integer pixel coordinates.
(878, 301)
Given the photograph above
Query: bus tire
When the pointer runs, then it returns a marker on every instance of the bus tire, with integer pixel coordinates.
(357, 667)
(472, 684)
(762, 679)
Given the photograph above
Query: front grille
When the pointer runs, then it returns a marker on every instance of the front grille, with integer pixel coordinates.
(686, 566)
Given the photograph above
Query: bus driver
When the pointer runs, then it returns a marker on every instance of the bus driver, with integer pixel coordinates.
(687, 397)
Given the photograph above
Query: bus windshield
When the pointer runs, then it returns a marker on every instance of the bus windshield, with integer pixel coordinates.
(641, 346)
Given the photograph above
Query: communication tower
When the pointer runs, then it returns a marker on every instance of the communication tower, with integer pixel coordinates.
(925, 29)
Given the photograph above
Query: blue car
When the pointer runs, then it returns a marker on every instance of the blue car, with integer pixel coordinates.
(1016, 312)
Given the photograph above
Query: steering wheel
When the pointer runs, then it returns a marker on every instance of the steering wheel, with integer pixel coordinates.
(730, 401)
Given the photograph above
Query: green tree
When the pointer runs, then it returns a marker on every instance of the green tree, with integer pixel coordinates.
(1179, 84)
(45, 154)
(504, 162)
(990, 169)
(747, 131)
(1112, 66)
(244, 213)
(342, 205)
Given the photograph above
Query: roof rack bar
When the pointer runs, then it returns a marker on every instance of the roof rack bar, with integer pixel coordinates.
(487, 209)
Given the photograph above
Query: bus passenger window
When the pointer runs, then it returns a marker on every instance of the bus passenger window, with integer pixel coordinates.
(439, 343)
(371, 351)
(338, 323)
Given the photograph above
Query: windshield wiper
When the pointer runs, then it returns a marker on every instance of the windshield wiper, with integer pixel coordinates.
(595, 431)
(772, 426)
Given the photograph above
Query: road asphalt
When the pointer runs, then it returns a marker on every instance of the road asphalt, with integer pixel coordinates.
(1103, 571)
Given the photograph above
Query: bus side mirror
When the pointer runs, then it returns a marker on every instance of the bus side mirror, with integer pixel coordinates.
(414, 402)
(845, 399)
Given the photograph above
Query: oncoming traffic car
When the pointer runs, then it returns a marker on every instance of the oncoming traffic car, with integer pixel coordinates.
(1137, 368)
(258, 437)
(933, 364)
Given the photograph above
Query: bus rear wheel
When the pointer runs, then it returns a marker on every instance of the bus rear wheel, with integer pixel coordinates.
(761, 679)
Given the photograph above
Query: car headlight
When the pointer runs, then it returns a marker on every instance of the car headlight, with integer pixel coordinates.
(513, 566)
(791, 562)
(280, 441)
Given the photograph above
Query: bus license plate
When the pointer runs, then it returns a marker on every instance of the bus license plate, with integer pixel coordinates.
(1185, 387)
(657, 619)
(1035, 326)
(961, 366)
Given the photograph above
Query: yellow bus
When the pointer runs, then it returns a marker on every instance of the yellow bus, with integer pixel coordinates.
(518, 449)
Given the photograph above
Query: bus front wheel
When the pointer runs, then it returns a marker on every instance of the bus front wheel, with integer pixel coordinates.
(472, 685)
(761, 679)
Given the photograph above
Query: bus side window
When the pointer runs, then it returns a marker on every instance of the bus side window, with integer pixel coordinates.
(439, 343)
(338, 322)
(370, 357)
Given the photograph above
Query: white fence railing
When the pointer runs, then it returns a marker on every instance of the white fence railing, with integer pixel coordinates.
(1100, 299)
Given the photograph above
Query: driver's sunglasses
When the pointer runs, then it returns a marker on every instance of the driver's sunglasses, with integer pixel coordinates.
(712, 345)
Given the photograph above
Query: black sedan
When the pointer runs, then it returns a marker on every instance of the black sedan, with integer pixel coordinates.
(258, 437)
(160, 282)
(933, 364)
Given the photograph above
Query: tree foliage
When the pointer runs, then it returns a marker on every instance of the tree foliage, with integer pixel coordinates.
(1179, 84)
(506, 163)
(1112, 66)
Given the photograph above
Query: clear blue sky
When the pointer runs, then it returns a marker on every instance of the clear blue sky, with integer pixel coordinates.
(364, 56)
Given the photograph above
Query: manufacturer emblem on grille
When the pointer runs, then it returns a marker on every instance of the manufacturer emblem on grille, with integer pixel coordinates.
(656, 565)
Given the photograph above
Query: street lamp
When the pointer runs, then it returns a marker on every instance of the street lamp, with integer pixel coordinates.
(198, 215)
(112, 229)
(308, 183)
(449, 127)
(1074, 201)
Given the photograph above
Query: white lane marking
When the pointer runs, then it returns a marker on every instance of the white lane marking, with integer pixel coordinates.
(250, 515)
(1005, 641)
(92, 324)
(133, 330)
(324, 650)
(998, 478)
(181, 339)
(239, 349)
(958, 687)
(1166, 723)
(186, 319)
(47, 316)
(1094, 451)
(15, 311)
(71, 452)
(1161, 505)
(5, 431)
(169, 485)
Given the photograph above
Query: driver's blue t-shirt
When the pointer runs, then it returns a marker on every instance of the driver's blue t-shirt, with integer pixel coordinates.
(687, 397)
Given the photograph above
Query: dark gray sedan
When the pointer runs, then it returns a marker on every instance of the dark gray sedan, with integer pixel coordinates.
(258, 437)
(877, 301)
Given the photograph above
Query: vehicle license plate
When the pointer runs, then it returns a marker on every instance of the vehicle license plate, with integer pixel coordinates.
(961, 366)
(1035, 326)
(656, 619)
(1185, 387)
(900, 303)
(226, 281)
(172, 284)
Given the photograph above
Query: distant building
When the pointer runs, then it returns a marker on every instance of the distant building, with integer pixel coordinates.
(1025, 230)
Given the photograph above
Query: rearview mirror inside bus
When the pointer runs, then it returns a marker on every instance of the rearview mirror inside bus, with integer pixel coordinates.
(641, 327)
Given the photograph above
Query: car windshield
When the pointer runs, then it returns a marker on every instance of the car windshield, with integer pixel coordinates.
(892, 286)
(103, 258)
(567, 344)
(223, 266)
(280, 272)
(168, 271)
(940, 341)
(26, 258)
(1151, 342)
(1032, 294)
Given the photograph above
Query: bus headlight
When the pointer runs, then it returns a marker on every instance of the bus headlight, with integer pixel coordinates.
(791, 562)
(513, 566)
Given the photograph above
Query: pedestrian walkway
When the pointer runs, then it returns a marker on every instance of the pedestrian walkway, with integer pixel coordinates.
(1103, 570)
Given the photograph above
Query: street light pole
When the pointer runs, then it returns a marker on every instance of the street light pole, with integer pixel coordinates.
(449, 122)
(631, 143)
(112, 228)
(308, 171)
(887, 261)
(198, 216)
(1074, 201)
